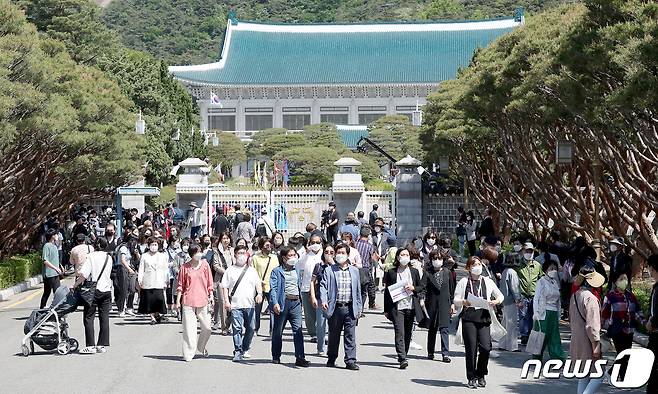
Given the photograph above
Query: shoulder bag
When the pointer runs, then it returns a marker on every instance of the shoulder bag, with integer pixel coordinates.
(237, 283)
(87, 290)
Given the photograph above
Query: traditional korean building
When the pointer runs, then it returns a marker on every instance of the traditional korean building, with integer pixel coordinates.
(292, 75)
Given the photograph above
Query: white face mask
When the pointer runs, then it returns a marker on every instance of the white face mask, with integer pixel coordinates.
(613, 248)
(517, 248)
(185, 248)
(341, 258)
(431, 241)
(476, 270)
(315, 248)
(198, 256)
(292, 261)
(241, 260)
(153, 248)
(176, 245)
(552, 274)
(404, 260)
(437, 263)
(527, 256)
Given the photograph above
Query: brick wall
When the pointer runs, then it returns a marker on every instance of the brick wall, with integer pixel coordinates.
(440, 212)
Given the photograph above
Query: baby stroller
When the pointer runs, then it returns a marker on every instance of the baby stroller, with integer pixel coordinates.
(47, 327)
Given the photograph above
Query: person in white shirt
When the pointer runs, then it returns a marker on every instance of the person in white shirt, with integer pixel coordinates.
(153, 278)
(194, 220)
(97, 267)
(546, 307)
(241, 290)
(305, 267)
(267, 221)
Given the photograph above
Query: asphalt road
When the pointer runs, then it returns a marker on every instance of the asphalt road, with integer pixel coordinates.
(145, 358)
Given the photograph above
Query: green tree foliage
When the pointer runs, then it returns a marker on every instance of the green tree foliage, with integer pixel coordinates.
(165, 104)
(281, 143)
(396, 136)
(65, 130)
(310, 166)
(191, 31)
(582, 73)
(229, 151)
(323, 135)
(255, 147)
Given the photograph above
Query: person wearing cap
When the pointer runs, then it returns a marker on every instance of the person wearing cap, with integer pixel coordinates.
(585, 321)
(546, 305)
(620, 262)
(529, 273)
(652, 323)
(266, 221)
(194, 220)
(332, 224)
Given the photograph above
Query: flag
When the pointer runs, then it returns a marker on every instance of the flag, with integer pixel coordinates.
(214, 99)
(286, 173)
(256, 173)
(265, 175)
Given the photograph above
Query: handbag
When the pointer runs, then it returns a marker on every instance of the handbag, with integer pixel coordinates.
(535, 341)
(87, 290)
(497, 330)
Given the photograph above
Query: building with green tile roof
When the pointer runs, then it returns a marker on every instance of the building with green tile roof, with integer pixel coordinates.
(291, 75)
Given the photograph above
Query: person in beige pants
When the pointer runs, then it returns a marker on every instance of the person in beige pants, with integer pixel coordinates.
(195, 296)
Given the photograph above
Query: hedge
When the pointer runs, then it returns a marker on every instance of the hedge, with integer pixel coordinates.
(17, 269)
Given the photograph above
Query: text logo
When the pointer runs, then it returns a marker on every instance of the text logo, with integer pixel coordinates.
(632, 368)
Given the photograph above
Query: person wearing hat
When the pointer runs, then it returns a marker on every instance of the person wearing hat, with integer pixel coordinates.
(652, 323)
(194, 220)
(529, 272)
(265, 225)
(620, 262)
(585, 321)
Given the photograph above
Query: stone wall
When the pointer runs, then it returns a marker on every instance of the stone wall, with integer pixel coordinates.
(440, 212)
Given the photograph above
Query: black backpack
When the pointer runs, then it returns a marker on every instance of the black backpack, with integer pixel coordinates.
(261, 230)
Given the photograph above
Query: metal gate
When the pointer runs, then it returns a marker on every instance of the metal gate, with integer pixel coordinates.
(294, 209)
(224, 201)
(386, 202)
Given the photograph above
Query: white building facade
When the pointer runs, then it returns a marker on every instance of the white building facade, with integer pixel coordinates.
(292, 75)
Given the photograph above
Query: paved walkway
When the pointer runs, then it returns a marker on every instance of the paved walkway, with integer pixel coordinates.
(146, 358)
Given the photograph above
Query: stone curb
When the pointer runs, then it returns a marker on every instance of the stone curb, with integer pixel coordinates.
(26, 285)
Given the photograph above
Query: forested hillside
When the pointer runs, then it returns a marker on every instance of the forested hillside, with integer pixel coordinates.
(191, 31)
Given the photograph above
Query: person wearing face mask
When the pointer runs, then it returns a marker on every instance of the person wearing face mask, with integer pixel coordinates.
(278, 242)
(620, 262)
(305, 268)
(621, 314)
(585, 322)
(320, 319)
(529, 273)
(476, 321)
(546, 306)
(194, 294)
(340, 293)
(351, 226)
(173, 248)
(402, 312)
(439, 293)
(153, 278)
(221, 257)
(264, 262)
(241, 290)
(429, 245)
(470, 227)
(286, 306)
(381, 241)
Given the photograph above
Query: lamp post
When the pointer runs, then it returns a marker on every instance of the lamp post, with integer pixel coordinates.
(564, 155)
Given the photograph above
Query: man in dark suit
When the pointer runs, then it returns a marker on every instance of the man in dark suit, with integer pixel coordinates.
(620, 262)
(373, 215)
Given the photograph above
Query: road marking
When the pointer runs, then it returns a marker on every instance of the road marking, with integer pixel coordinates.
(37, 292)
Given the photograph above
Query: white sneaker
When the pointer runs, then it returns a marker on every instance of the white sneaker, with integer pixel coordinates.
(246, 355)
(89, 350)
(415, 346)
(130, 312)
(101, 349)
(320, 353)
(122, 314)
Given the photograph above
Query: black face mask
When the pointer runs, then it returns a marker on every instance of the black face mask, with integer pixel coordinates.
(109, 233)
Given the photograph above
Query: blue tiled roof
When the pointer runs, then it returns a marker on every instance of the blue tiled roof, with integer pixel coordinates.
(350, 135)
(254, 55)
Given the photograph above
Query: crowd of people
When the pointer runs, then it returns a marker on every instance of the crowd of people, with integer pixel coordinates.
(321, 282)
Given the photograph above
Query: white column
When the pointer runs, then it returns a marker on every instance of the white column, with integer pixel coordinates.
(354, 112)
(239, 116)
(277, 115)
(315, 111)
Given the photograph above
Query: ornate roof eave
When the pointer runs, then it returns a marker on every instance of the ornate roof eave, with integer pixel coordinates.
(197, 84)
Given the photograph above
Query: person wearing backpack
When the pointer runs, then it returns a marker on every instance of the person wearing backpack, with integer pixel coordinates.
(241, 291)
(95, 271)
(265, 225)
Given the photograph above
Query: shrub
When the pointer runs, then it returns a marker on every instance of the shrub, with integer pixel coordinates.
(16, 269)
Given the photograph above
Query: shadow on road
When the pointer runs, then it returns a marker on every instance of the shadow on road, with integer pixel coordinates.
(438, 383)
